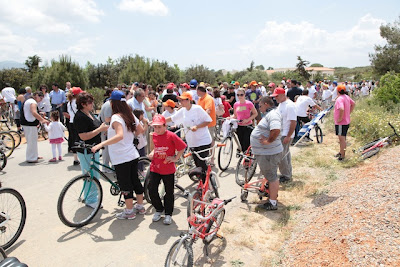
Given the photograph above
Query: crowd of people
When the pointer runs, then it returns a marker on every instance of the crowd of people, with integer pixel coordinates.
(139, 121)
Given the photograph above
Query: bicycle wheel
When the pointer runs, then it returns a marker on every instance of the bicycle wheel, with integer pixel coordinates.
(7, 143)
(180, 255)
(370, 153)
(144, 174)
(12, 216)
(79, 201)
(43, 132)
(361, 149)
(146, 194)
(17, 137)
(318, 134)
(214, 225)
(225, 154)
(214, 186)
(3, 160)
(245, 170)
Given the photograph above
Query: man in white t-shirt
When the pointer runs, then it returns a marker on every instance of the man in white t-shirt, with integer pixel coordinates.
(364, 90)
(312, 93)
(302, 105)
(287, 109)
(8, 94)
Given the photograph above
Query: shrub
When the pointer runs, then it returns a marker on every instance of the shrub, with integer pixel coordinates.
(388, 94)
(98, 95)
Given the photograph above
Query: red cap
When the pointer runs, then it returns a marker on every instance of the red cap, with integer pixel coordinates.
(171, 86)
(271, 85)
(76, 90)
(159, 120)
(187, 86)
(186, 95)
(223, 98)
(278, 91)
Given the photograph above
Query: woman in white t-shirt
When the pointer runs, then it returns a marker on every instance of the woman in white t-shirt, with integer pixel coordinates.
(44, 105)
(195, 120)
(123, 153)
(219, 107)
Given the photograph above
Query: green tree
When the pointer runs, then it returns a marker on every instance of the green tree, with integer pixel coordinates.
(251, 68)
(387, 58)
(260, 67)
(200, 73)
(32, 63)
(270, 68)
(316, 65)
(17, 78)
(301, 68)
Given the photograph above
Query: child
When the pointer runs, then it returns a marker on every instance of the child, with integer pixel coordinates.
(227, 107)
(56, 134)
(162, 167)
(141, 146)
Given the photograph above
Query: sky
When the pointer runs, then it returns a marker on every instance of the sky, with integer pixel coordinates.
(220, 34)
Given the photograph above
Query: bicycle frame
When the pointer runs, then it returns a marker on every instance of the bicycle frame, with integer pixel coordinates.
(383, 141)
(255, 187)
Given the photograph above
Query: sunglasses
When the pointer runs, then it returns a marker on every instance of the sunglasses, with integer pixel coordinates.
(240, 94)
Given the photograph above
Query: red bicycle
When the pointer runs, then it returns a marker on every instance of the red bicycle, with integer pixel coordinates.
(374, 147)
(207, 188)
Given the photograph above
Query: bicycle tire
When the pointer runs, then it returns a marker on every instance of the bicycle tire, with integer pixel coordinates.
(214, 186)
(144, 175)
(370, 153)
(216, 220)
(19, 216)
(81, 207)
(361, 149)
(197, 196)
(318, 134)
(188, 256)
(17, 138)
(7, 143)
(225, 154)
(3, 254)
(3, 160)
(245, 174)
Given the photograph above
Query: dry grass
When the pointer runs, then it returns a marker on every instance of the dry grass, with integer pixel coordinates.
(246, 242)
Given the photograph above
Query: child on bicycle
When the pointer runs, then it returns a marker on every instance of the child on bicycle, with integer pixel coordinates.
(56, 135)
(163, 158)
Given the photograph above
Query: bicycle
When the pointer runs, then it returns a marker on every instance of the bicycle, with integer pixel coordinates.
(207, 189)
(16, 136)
(184, 165)
(374, 147)
(12, 216)
(246, 167)
(7, 143)
(81, 197)
(225, 153)
(260, 187)
(200, 226)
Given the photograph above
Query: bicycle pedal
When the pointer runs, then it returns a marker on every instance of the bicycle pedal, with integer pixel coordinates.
(121, 203)
(219, 236)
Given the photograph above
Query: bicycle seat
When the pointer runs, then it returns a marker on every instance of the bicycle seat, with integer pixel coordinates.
(198, 171)
(3, 120)
(12, 262)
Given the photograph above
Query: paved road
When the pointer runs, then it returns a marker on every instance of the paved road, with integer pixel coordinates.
(45, 241)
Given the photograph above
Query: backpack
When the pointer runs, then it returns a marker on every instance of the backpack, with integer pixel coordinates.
(23, 119)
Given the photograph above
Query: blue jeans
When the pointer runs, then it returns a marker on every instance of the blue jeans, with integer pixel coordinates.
(92, 196)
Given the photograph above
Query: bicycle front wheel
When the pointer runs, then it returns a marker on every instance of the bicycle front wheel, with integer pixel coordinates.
(245, 169)
(144, 175)
(79, 201)
(225, 154)
(7, 143)
(180, 254)
(12, 216)
(318, 134)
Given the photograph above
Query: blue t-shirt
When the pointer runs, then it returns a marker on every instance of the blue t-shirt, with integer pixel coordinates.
(253, 95)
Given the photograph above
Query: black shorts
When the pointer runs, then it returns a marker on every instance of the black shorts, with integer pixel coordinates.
(341, 130)
(127, 176)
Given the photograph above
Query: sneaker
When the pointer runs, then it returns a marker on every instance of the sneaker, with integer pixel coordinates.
(157, 216)
(338, 155)
(59, 158)
(269, 206)
(284, 179)
(140, 211)
(76, 163)
(126, 216)
(167, 220)
(340, 158)
(53, 160)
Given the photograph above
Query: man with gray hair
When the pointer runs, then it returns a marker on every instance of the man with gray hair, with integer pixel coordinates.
(137, 101)
(267, 147)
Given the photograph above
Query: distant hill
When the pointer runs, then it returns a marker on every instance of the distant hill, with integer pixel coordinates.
(11, 64)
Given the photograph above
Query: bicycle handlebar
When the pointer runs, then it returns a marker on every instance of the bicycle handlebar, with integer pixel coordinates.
(204, 150)
(394, 130)
(82, 144)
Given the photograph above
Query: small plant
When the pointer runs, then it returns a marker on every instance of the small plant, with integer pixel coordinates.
(237, 263)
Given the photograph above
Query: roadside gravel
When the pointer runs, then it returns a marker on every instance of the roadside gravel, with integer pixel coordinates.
(357, 223)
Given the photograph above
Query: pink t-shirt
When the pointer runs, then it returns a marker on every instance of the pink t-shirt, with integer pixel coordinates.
(343, 102)
(243, 111)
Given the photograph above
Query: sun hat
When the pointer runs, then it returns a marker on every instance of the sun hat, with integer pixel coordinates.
(159, 120)
(278, 91)
(169, 103)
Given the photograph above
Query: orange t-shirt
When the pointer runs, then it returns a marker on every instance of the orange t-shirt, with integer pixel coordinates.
(207, 102)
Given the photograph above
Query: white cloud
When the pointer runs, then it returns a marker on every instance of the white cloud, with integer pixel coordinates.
(47, 16)
(14, 47)
(149, 7)
(279, 43)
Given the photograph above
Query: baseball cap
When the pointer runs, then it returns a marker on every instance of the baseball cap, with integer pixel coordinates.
(260, 83)
(278, 91)
(245, 85)
(169, 103)
(232, 82)
(136, 83)
(341, 88)
(236, 83)
(253, 83)
(193, 83)
(186, 95)
(171, 86)
(159, 120)
(271, 85)
(223, 98)
(335, 82)
(117, 95)
(76, 90)
(185, 85)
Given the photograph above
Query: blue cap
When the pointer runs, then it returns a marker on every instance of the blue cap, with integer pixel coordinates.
(117, 95)
(193, 83)
(335, 82)
(136, 83)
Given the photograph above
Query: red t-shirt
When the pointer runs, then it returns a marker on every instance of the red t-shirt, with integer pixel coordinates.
(227, 107)
(165, 146)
